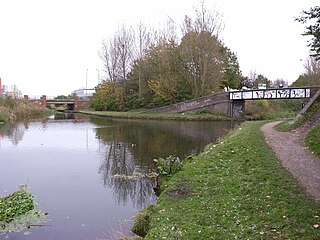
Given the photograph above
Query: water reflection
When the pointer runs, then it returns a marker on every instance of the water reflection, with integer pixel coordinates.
(14, 132)
(131, 146)
(88, 171)
(119, 171)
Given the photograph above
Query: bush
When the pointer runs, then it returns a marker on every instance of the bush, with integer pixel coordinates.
(168, 166)
(133, 102)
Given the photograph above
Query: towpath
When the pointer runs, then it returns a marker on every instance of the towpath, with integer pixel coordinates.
(295, 156)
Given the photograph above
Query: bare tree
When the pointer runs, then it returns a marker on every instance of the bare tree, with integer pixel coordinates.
(143, 40)
(311, 66)
(110, 60)
(312, 71)
(15, 92)
(125, 44)
(117, 54)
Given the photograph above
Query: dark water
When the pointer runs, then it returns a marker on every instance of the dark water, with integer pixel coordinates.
(70, 164)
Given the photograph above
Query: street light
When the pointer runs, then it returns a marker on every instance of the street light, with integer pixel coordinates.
(98, 75)
(86, 82)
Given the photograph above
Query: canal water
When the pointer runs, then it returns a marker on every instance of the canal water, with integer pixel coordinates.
(88, 172)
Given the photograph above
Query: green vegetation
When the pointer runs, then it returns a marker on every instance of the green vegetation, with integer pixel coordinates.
(312, 19)
(148, 68)
(272, 109)
(235, 189)
(17, 211)
(157, 116)
(313, 141)
(13, 109)
(16, 204)
(263, 109)
(308, 116)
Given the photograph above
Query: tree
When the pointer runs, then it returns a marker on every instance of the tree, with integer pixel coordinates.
(143, 41)
(279, 83)
(312, 19)
(117, 55)
(166, 73)
(125, 42)
(201, 51)
(15, 93)
(311, 75)
(254, 80)
(232, 78)
(109, 56)
(262, 80)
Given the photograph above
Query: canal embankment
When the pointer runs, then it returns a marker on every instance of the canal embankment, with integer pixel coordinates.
(235, 189)
(157, 116)
(12, 109)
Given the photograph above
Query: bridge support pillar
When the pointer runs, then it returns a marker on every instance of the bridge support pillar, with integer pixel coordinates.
(44, 101)
(237, 108)
(76, 102)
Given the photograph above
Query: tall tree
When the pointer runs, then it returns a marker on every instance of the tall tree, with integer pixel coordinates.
(143, 41)
(311, 74)
(109, 55)
(232, 78)
(117, 54)
(312, 19)
(201, 50)
(125, 43)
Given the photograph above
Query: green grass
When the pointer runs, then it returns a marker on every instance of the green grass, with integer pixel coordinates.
(157, 116)
(313, 140)
(235, 189)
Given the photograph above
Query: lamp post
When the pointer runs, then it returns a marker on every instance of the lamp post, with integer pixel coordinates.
(98, 75)
(86, 82)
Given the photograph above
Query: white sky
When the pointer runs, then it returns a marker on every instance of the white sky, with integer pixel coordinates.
(46, 46)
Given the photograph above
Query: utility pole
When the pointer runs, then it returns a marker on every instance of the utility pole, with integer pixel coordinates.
(87, 83)
(98, 75)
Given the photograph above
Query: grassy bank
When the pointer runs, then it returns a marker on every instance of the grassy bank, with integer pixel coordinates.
(261, 109)
(236, 189)
(157, 116)
(313, 141)
(18, 109)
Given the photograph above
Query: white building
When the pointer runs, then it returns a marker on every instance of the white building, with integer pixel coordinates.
(84, 93)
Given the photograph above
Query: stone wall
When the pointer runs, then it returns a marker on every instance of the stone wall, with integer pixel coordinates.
(216, 103)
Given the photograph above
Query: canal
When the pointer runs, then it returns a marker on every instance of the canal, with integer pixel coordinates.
(88, 173)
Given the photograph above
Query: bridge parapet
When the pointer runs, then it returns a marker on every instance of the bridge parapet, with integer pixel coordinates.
(277, 93)
(218, 103)
(238, 98)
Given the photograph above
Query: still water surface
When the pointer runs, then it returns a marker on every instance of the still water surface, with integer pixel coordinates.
(70, 164)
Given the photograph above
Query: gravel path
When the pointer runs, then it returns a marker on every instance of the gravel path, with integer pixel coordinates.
(295, 157)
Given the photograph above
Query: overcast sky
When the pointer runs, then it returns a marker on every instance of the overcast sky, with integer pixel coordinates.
(46, 46)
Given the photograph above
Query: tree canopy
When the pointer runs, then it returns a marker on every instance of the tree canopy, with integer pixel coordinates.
(311, 19)
(150, 68)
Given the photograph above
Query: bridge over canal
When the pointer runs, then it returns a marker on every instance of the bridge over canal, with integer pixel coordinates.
(233, 103)
(67, 104)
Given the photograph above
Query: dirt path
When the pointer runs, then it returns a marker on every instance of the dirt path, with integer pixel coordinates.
(295, 157)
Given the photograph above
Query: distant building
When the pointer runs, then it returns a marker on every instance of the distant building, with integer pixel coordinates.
(84, 93)
(3, 89)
